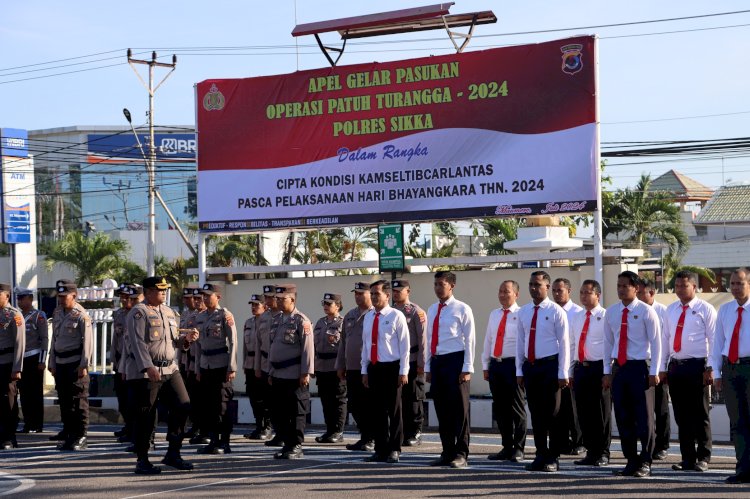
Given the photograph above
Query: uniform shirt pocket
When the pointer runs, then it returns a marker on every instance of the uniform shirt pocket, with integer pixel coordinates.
(290, 335)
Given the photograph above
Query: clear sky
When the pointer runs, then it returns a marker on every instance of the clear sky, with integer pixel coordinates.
(654, 85)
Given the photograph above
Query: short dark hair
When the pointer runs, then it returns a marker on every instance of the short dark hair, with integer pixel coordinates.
(563, 280)
(686, 274)
(647, 284)
(385, 285)
(446, 275)
(513, 284)
(545, 275)
(743, 270)
(631, 276)
(594, 285)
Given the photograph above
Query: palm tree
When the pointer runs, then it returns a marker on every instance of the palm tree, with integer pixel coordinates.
(499, 231)
(93, 258)
(645, 215)
(235, 250)
(175, 272)
(673, 264)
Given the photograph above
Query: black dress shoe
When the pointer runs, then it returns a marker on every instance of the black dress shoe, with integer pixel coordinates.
(628, 470)
(683, 466)
(586, 461)
(393, 457)
(441, 461)
(175, 461)
(293, 453)
(276, 441)
(200, 439)
(321, 438)
(77, 444)
(459, 463)
(660, 455)
(333, 438)
(517, 457)
(7, 445)
(59, 436)
(643, 471)
(535, 465)
(363, 445)
(551, 467)
(413, 441)
(122, 431)
(577, 451)
(376, 458)
(701, 466)
(123, 439)
(211, 448)
(738, 478)
(602, 461)
(146, 468)
(503, 455)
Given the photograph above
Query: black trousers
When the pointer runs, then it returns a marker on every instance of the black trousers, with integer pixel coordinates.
(357, 396)
(291, 403)
(508, 404)
(385, 406)
(543, 395)
(736, 386)
(662, 420)
(216, 393)
(634, 409)
(569, 418)
(332, 393)
(451, 400)
(31, 388)
(257, 392)
(197, 408)
(412, 402)
(594, 407)
(73, 395)
(122, 392)
(691, 405)
(8, 405)
(171, 391)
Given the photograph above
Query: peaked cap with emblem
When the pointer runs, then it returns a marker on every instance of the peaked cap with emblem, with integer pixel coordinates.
(157, 282)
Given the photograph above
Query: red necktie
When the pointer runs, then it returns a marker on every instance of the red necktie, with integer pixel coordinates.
(734, 345)
(435, 324)
(582, 341)
(678, 331)
(374, 335)
(498, 352)
(532, 336)
(622, 348)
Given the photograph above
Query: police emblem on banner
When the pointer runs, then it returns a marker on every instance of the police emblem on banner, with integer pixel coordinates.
(572, 58)
(213, 100)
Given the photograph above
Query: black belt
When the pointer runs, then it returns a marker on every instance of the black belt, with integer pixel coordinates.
(264, 354)
(215, 351)
(69, 353)
(543, 360)
(162, 363)
(7, 350)
(633, 361)
(414, 349)
(286, 363)
(251, 353)
(326, 355)
(590, 363)
(695, 360)
(502, 359)
(741, 360)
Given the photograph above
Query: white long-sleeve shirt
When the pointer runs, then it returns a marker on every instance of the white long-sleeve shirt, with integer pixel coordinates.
(594, 346)
(456, 332)
(644, 335)
(509, 338)
(393, 338)
(698, 331)
(725, 322)
(552, 335)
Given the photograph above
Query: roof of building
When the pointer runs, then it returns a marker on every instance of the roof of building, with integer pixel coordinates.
(682, 187)
(730, 204)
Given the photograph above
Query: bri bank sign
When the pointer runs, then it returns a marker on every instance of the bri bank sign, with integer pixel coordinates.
(170, 147)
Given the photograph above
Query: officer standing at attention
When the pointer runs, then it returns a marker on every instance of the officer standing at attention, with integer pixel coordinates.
(292, 362)
(12, 346)
(569, 415)
(448, 366)
(115, 355)
(594, 404)
(730, 362)
(31, 384)
(69, 360)
(331, 389)
(542, 366)
(255, 391)
(662, 420)
(128, 369)
(262, 366)
(349, 365)
(412, 395)
(499, 366)
(632, 339)
(198, 432)
(216, 367)
(154, 335)
(687, 339)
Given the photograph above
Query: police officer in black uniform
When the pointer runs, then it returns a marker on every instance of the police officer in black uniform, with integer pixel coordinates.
(154, 335)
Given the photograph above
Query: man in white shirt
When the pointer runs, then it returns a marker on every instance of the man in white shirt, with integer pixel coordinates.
(687, 338)
(449, 363)
(385, 369)
(730, 362)
(499, 366)
(632, 339)
(542, 364)
(594, 404)
(569, 415)
(662, 420)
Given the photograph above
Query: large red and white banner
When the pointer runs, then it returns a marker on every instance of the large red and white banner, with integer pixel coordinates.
(501, 132)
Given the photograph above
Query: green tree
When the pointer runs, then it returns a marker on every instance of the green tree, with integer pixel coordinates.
(672, 263)
(498, 232)
(175, 272)
(226, 251)
(643, 215)
(93, 258)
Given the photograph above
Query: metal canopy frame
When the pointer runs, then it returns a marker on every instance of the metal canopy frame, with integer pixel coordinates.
(394, 22)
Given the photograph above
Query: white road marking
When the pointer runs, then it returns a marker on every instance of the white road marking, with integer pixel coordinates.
(23, 483)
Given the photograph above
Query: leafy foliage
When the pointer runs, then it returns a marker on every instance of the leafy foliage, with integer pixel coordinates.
(93, 258)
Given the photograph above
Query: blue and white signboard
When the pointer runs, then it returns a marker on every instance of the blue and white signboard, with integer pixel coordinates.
(18, 199)
(14, 142)
(124, 148)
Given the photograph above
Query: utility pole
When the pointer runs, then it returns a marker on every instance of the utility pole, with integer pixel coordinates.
(150, 268)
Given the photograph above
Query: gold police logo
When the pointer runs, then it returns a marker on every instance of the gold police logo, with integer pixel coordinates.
(572, 58)
(213, 100)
